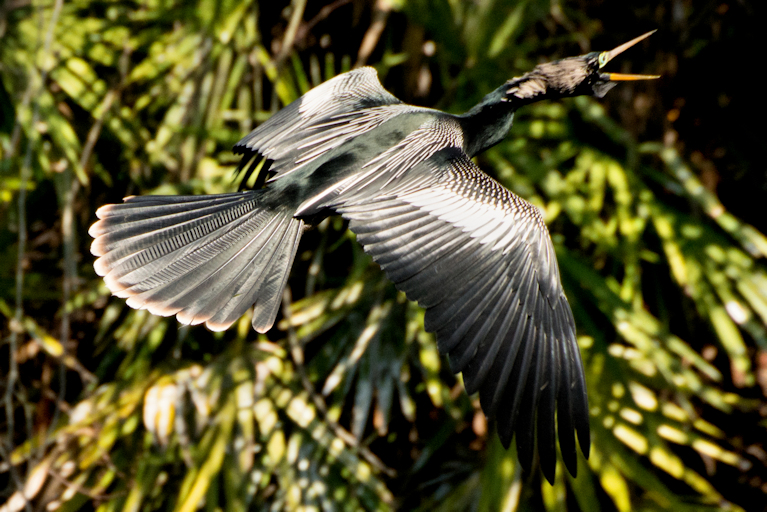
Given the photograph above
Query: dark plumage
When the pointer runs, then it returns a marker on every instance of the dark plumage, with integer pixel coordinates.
(476, 256)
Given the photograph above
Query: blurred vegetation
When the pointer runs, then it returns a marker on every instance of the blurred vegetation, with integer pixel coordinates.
(650, 195)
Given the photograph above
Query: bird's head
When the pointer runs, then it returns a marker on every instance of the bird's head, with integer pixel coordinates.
(574, 76)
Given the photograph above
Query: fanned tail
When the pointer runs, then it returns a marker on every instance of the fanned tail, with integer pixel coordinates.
(201, 258)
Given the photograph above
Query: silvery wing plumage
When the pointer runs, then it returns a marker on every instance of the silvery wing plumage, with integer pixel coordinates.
(478, 258)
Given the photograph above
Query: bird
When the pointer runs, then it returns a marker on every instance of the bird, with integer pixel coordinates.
(478, 258)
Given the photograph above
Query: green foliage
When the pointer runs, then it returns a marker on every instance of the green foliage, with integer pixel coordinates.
(347, 405)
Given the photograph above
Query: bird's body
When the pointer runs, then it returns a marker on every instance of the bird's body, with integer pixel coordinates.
(476, 256)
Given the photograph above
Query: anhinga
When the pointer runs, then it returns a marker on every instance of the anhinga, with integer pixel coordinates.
(476, 256)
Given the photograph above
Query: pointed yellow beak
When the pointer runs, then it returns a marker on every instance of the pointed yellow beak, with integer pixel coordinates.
(622, 77)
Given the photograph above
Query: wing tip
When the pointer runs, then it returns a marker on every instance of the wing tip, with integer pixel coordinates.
(549, 469)
(584, 440)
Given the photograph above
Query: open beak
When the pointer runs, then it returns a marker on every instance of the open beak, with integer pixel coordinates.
(620, 77)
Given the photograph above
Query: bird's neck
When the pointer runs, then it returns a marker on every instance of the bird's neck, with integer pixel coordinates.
(487, 123)
(551, 80)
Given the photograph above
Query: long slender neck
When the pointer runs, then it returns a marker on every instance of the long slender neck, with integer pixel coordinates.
(487, 123)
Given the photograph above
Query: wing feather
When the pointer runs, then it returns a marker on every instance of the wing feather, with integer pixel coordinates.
(324, 118)
(480, 260)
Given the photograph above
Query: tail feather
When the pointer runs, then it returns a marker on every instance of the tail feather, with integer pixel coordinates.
(196, 283)
(270, 293)
(199, 257)
(139, 231)
(202, 258)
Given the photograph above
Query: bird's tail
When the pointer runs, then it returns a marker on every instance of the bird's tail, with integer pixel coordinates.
(201, 258)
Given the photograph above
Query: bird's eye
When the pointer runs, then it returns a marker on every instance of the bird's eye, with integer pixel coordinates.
(602, 59)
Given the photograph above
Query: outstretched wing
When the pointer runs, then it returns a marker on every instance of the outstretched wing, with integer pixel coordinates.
(324, 118)
(480, 260)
